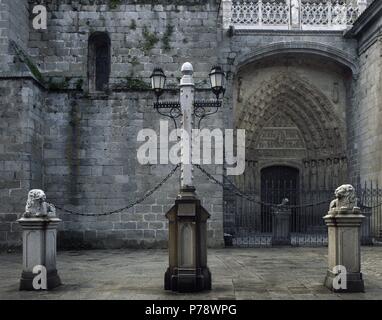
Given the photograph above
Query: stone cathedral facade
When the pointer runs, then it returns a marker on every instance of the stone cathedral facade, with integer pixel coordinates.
(303, 80)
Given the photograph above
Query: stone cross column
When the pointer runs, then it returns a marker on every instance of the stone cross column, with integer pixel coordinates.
(344, 221)
(187, 92)
(39, 225)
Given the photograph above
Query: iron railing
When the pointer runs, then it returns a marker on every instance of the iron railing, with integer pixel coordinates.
(249, 223)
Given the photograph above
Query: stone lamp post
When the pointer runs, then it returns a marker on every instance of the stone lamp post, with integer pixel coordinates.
(188, 270)
(344, 221)
(39, 225)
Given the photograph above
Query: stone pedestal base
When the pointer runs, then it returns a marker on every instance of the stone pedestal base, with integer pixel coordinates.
(281, 227)
(187, 280)
(39, 249)
(354, 282)
(26, 282)
(344, 248)
(187, 271)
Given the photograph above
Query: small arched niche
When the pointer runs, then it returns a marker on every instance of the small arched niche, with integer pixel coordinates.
(99, 57)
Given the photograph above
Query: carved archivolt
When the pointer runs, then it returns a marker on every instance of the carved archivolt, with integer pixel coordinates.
(305, 115)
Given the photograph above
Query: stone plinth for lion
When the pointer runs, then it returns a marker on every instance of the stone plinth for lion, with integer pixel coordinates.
(39, 224)
(281, 224)
(344, 220)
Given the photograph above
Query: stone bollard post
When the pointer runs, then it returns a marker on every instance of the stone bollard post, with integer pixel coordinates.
(281, 224)
(39, 225)
(344, 221)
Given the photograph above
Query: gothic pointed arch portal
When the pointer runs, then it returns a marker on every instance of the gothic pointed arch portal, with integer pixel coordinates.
(291, 124)
(289, 121)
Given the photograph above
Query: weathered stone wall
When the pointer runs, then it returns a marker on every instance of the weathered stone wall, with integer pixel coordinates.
(143, 35)
(19, 22)
(4, 17)
(21, 151)
(90, 162)
(91, 166)
(14, 26)
(366, 114)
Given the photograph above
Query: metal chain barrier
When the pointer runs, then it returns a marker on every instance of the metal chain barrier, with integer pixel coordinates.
(250, 198)
(236, 191)
(370, 207)
(140, 200)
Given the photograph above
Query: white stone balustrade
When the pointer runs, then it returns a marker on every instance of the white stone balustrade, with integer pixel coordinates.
(291, 14)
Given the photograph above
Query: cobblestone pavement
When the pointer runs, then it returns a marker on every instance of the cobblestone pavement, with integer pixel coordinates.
(264, 273)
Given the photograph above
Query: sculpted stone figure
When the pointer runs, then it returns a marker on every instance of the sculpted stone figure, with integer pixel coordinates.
(283, 206)
(283, 203)
(37, 206)
(295, 12)
(345, 197)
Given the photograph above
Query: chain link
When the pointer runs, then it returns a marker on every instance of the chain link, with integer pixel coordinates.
(140, 200)
(236, 191)
(250, 198)
(362, 206)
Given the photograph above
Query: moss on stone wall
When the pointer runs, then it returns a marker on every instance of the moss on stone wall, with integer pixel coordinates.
(79, 84)
(136, 84)
(114, 4)
(133, 25)
(149, 40)
(61, 84)
(28, 62)
(167, 37)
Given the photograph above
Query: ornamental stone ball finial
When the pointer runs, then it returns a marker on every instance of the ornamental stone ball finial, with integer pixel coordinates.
(345, 198)
(37, 206)
(187, 71)
(187, 68)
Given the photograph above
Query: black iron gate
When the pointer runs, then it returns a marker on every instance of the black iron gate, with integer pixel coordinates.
(249, 220)
(369, 196)
(277, 183)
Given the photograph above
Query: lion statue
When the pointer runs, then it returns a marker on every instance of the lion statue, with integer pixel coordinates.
(37, 206)
(345, 197)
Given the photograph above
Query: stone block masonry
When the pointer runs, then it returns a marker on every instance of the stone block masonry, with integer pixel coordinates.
(143, 35)
(91, 166)
(367, 128)
(21, 156)
(81, 148)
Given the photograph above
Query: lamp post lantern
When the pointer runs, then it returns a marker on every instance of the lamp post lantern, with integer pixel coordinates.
(188, 270)
(158, 81)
